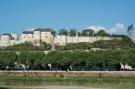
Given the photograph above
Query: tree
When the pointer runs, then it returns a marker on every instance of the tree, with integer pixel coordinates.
(63, 32)
(72, 32)
(38, 63)
(88, 32)
(102, 33)
(131, 59)
(44, 46)
(124, 57)
(53, 33)
(22, 58)
(7, 59)
(79, 33)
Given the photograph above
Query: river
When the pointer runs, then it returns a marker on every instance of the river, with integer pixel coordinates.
(44, 85)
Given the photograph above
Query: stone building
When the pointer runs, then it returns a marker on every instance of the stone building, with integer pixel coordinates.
(27, 36)
(38, 35)
(5, 40)
(42, 34)
(9, 39)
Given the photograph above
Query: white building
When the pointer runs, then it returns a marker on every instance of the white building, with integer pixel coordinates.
(8, 39)
(46, 36)
(5, 40)
(38, 35)
(27, 36)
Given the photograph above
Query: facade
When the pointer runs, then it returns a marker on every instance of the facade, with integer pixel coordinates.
(46, 36)
(27, 36)
(38, 35)
(8, 39)
(5, 40)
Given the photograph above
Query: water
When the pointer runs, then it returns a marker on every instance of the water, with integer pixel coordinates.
(42, 85)
(15, 83)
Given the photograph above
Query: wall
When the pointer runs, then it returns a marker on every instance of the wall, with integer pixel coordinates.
(63, 40)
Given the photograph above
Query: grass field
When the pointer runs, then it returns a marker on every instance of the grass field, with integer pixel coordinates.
(95, 82)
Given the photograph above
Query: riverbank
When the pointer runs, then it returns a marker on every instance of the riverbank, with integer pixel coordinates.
(50, 87)
(88, 79)
(68, 74)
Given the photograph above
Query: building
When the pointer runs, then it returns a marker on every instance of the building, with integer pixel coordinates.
(27, 36)
(42, 34)
(130, 31)
(8, 39)
(38, 35)
(5, 40)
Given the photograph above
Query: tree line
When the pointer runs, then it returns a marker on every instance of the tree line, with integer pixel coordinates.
(85, 32)
(68, 60)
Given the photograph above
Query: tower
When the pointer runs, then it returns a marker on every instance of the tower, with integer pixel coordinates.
(130, 31)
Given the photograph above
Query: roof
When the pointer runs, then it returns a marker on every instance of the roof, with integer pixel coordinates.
(43, 29)
(6, 34)
(27, 32)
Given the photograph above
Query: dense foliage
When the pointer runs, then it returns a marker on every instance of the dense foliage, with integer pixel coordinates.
(28, 46)
(85, 32)
(72, 60)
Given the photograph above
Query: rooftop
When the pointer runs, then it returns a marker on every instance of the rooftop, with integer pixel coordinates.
(43, 29)
(27, 32)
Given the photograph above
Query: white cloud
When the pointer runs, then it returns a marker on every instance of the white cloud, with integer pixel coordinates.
(118, 28)
(96, 28)
(30, 29)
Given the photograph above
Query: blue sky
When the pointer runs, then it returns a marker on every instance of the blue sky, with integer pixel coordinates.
(17, 15)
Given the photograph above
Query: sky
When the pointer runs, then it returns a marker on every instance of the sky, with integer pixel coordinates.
(114, 16)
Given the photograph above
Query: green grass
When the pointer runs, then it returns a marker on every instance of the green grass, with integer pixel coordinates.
(98, 82)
